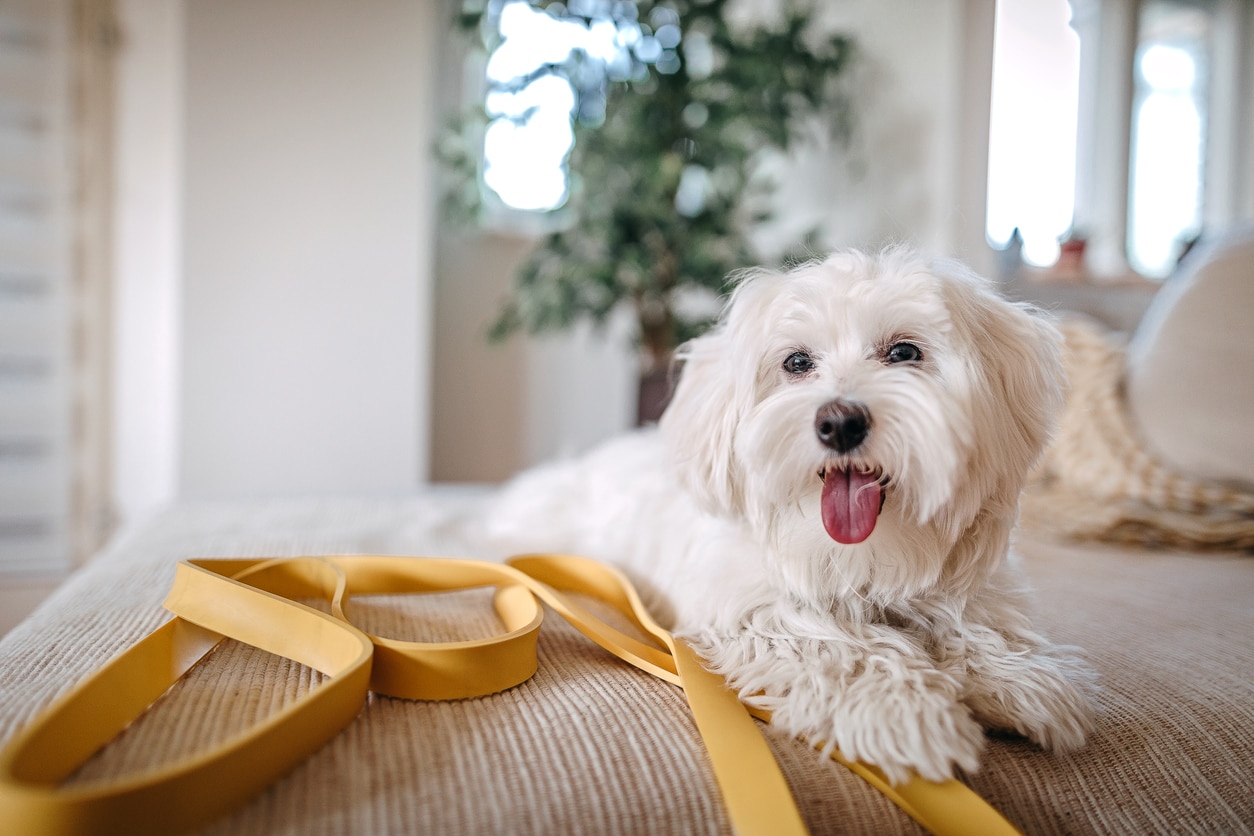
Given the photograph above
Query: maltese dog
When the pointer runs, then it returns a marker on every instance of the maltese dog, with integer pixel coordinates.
(825, 510)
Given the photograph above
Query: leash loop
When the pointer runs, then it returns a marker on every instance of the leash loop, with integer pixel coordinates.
(255, 602)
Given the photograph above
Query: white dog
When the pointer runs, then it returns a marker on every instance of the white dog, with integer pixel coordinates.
(827, 512)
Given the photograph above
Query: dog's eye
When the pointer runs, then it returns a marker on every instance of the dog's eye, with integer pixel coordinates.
(798, 363)
(903, 353)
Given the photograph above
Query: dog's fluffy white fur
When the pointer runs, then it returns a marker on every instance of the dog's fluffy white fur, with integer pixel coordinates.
(898, 645)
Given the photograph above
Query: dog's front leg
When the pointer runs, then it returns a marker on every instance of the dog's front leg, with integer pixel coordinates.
(1016, 679)
(869, 690)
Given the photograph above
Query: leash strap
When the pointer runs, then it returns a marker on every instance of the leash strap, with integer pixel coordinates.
(253, 601)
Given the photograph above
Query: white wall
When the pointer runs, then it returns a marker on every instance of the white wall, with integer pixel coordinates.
(147, 255)
(499, 408)
(307, 242)
(916, 168)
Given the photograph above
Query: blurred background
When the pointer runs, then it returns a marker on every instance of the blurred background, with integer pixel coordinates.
(231, 269)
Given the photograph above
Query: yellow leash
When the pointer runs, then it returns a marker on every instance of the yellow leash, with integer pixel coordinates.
(252, 601)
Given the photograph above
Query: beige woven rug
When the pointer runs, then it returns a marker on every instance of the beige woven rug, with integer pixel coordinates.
(1098, 481)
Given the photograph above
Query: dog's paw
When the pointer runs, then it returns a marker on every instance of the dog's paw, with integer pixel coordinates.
(904, 726)
(1049, 701)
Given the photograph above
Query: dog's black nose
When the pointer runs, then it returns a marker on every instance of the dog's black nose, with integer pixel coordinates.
(842, 425)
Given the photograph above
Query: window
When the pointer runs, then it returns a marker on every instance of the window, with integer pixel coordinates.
(35, 348)
(1124, 116)
(54, 122)
(1166, 171)
(530, 134)
(549, 69)
(1032, 130)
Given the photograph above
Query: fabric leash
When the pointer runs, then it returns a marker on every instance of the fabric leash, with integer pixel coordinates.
(253, 602)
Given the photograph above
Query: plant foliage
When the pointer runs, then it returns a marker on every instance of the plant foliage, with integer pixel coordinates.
(668, 134)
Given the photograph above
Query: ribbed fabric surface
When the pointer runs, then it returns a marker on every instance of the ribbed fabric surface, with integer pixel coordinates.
(590, 745)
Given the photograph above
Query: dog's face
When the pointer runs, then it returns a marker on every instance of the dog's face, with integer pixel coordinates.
(863, 403)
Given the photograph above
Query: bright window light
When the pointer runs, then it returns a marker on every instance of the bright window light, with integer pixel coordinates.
(1032, 131)
(1166, 165)
(1166, 174)
(525, 149)
(531, 112)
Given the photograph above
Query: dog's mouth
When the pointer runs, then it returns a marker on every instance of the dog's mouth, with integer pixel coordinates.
(852, 499)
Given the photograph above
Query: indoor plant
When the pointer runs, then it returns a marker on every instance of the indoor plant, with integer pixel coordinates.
(667, 139)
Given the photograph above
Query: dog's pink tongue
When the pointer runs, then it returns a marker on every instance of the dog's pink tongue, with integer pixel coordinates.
(851, 504)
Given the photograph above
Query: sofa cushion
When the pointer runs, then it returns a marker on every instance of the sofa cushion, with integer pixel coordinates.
(591, 745)
(1190, 366)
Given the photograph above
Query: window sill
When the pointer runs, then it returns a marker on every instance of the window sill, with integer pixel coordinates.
(1118, 302)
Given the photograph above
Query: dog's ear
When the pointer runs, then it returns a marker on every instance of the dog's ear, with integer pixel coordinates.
(717, 388)
(699, 425)
(1019, 352)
